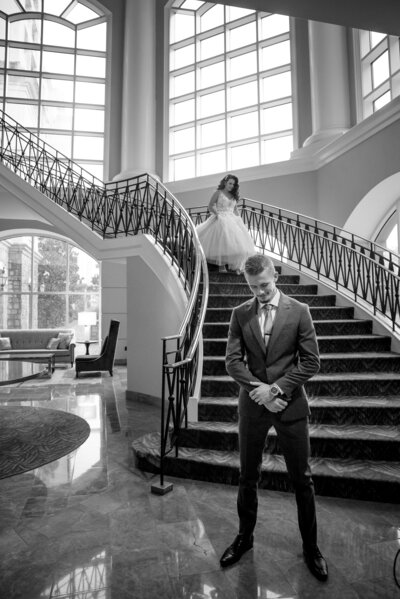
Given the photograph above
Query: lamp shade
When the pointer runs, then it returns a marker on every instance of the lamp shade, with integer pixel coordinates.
(86, 318)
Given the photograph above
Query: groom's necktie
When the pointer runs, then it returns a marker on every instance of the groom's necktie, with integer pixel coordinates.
(267, 323)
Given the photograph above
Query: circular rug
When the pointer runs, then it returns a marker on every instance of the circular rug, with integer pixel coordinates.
(31, 437)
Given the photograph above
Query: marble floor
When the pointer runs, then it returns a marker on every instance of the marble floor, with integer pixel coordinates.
(87, 527)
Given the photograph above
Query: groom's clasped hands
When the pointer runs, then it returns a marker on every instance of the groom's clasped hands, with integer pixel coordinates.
(263, 397)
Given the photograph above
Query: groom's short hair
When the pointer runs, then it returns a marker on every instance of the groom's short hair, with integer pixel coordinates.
(257, 263)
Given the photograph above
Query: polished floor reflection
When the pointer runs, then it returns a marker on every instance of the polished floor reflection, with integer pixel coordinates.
(87, 527)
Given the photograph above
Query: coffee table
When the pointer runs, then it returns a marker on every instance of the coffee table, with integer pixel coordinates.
(42, 357)
(17, 371)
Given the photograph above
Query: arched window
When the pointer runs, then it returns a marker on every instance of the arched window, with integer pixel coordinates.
(377, 62)
(230, 88)
(46, 283)
(53, 74)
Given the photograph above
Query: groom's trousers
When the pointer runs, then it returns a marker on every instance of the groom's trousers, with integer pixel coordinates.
(293, 439)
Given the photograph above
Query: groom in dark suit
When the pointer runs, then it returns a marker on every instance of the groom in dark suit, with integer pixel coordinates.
(272, 351)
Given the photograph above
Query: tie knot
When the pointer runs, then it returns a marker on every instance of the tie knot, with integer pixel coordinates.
(267, 307)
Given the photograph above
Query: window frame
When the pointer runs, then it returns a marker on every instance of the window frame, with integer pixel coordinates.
(366, 93)
(71, 134)
(66, 293)
(225, 85)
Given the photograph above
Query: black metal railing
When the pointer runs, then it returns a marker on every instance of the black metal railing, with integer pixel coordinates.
(137, 205)
(364, 271)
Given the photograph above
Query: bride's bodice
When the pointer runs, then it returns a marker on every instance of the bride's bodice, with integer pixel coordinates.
(224, 204)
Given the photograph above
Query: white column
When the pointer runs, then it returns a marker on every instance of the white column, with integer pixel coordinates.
(330, 102)
(138, 138)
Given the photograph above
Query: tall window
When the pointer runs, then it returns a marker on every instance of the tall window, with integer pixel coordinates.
(379, 65)
(53, 74)
(46, 283)
(230, 88)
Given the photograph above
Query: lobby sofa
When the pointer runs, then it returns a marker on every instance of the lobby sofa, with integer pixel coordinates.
(37, 340)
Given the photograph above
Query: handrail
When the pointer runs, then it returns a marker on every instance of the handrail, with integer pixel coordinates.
(387, 256)
(198, 214)
(358, 268)
(140, 204)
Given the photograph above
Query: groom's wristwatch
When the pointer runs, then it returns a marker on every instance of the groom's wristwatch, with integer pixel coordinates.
(275, 390)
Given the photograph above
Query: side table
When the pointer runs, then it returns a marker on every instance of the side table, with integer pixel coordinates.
(87, 344)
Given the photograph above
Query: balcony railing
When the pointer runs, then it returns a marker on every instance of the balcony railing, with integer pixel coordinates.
(137, 205)
(358, 268)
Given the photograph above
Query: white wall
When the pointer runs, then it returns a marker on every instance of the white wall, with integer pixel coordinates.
(378, 203)
(344, 182)
(113, 302)
(156, 306)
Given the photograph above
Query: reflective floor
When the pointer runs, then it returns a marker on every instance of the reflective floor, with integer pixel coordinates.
(87, 527)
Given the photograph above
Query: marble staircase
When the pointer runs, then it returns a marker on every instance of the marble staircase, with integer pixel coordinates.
(354, 402)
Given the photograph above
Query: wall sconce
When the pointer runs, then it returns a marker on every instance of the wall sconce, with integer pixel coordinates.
(87, 319)
(3, 278)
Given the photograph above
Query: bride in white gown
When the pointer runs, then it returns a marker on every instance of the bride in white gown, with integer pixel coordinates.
(224, 237)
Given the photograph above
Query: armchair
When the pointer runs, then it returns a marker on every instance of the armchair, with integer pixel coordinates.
(105, 360)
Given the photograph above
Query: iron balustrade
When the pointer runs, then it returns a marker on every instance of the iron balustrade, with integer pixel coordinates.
(361, 269)
(136, 205)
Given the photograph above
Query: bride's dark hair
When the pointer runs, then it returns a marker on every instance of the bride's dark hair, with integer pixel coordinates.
(235, 190)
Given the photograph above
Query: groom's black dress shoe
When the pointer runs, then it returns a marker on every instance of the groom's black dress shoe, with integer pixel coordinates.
(235, 551)
(316, 564)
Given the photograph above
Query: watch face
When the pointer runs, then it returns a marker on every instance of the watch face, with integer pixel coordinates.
(274, 390)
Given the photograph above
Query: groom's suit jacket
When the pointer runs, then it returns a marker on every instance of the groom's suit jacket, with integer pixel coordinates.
(291, 359)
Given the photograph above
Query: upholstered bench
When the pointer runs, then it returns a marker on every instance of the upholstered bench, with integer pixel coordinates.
(60, 341)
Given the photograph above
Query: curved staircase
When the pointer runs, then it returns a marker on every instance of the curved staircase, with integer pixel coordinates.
(354, 402)
(355, 399)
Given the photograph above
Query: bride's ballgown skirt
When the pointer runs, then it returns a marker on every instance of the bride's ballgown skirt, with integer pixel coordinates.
(225, 240)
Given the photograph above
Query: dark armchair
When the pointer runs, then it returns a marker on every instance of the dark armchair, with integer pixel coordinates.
(105, 360)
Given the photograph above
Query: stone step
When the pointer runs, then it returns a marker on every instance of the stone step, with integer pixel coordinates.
(369, 411)
(360, 362)
(354, 343)
(324, 410)
(234, 279)
(358, 479)
(354, 384)
(332, 384)
(231, 300)
(327, 313)
(215, 275)
(326, 343)
(242, 289)
(334, 363)
(327, 440)
(343, 327)
(322, 327)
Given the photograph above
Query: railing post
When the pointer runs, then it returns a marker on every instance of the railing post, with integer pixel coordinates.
(160, 488)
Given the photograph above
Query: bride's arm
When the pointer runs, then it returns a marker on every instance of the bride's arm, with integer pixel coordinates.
(212, 206)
